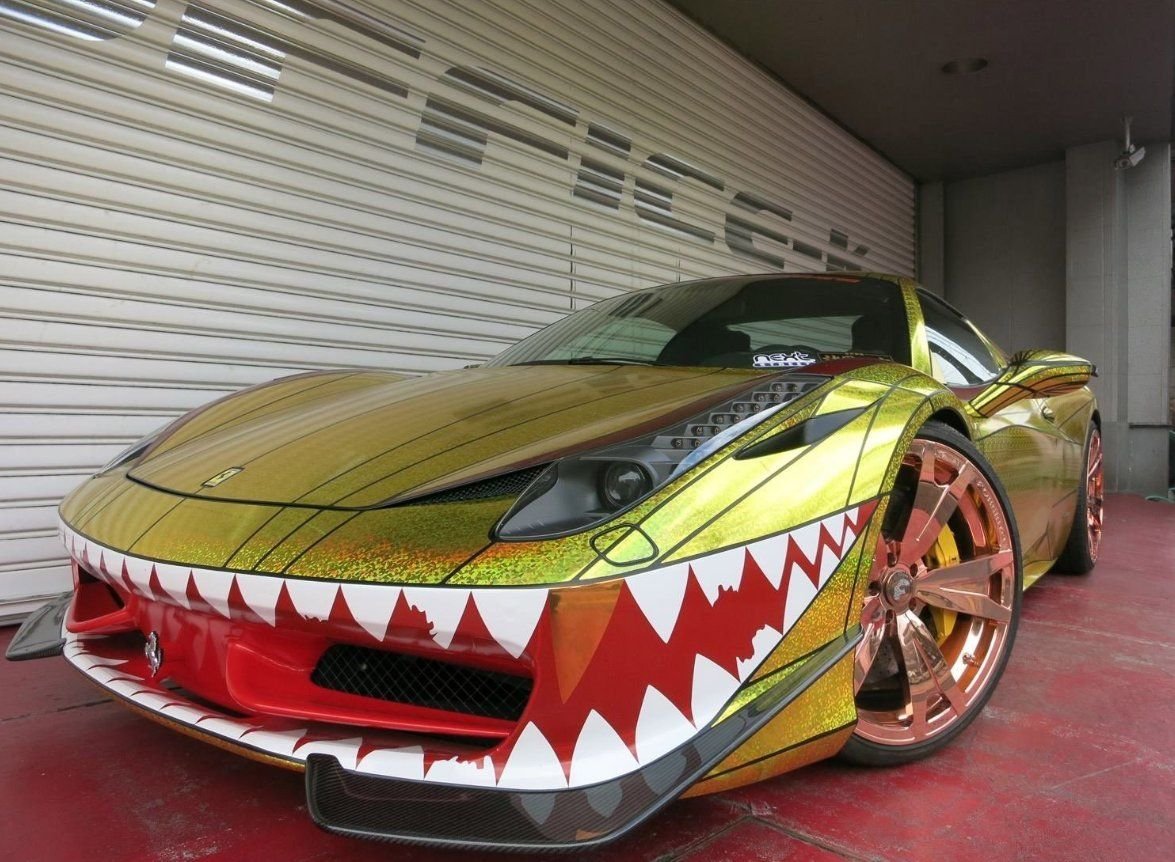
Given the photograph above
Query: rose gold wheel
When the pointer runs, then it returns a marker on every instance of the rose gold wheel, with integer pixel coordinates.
(939, 617)
(1094, 494)
(1080, 553)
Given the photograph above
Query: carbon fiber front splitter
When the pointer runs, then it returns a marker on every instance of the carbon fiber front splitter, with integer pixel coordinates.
(39, 636)
(393, 809)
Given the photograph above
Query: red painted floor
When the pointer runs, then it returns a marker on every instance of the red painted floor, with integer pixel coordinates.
(1074, 758)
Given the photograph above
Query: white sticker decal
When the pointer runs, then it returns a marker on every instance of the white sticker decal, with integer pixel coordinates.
(795, 359)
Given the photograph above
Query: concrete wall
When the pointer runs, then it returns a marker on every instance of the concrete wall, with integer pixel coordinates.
(1005, 254)
(1072, 255)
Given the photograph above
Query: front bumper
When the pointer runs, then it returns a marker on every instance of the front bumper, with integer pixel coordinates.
(603, 742)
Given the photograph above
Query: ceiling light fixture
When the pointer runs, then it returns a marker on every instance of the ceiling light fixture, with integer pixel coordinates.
(964, 66)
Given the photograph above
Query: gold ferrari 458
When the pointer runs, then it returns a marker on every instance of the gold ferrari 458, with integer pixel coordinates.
(685, 539)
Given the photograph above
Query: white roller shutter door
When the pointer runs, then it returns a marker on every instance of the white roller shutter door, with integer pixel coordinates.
(199, 196)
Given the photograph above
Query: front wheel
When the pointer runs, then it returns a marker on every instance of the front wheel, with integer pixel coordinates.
(943, 603)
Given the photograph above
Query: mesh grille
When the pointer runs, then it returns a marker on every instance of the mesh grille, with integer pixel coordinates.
(422, 682)
(506, 485)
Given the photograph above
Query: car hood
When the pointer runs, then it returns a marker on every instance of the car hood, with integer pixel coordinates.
(360, 440)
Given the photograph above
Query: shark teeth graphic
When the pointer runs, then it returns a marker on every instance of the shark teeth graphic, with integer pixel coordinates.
(800, 592)
(599, 753)
(395, 762)
(345, 750)
(139, 572)
(794, 565)
(476, 773)
(214, 587)
(532, 762)
(312, 599)
(765, 640)
(174, 580)
(770, 555)
(659, 595)
(442, 607)
(371, 606)
(660, 727)
(510, 616)
(713, 687)
(260, 594)
(717, 572)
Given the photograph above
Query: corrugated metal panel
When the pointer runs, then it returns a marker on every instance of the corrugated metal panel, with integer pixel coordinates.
(200, 197)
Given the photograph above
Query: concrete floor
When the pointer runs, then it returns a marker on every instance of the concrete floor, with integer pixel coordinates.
(1074, 758)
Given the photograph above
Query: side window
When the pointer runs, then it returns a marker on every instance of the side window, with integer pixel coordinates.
(958, 355)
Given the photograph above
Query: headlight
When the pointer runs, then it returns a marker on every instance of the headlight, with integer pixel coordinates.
(583, 490)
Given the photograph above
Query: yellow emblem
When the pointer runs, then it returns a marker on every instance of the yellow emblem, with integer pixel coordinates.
(222, 476)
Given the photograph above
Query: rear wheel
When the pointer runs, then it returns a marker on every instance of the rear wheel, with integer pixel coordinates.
(942, 606)
(1085, 536)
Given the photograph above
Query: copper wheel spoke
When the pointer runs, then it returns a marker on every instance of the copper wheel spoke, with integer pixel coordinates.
(964, 587)
(927, 673)
(873, 635)
(934, 505)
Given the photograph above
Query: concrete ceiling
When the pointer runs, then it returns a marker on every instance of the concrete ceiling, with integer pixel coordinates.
(1060, 73)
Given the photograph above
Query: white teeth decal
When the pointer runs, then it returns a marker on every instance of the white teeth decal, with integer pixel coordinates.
(185, 713)
(127, 688)
(214, 587)
(660, 727)
(468, 772)
(533, 762)
(713, 687)
(395, 762)
(800, 593)
(346, 750)
(275, 741)
(174, 580)
(807, 538)
(770, 556)
(152, 700)
(226, 727)
(312, 599)
(599, 753)
(114, 564)
(717, 571)
(511, 615)
(260, 593)
(140, 575)
(442, 607)
(841, 530)
(765, 640)
(659, 595)
(371, 605)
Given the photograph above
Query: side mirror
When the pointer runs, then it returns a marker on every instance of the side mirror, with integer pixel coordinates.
(1034, 374)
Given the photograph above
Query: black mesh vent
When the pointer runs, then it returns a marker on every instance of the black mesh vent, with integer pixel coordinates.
(422, 682)
(506, 485)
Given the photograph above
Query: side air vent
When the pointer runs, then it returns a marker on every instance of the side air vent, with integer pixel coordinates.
(423, 682)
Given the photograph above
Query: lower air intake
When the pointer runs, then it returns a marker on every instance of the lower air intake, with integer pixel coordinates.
(422, 682)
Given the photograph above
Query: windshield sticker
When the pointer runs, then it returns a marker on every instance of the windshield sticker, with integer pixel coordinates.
(795, 359)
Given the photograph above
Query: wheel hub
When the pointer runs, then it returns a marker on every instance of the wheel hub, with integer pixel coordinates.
(897, 586)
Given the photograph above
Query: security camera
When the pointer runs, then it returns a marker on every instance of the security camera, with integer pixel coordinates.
(1130, 155)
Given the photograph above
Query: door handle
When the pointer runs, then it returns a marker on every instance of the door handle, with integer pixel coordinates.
(1047, 413)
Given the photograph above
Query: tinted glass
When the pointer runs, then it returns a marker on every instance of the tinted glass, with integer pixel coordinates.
(959, 356)
(731, 322)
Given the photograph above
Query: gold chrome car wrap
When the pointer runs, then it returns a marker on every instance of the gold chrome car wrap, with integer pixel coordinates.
(366, 510)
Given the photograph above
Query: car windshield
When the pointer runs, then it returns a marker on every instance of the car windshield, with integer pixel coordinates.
(737, 322)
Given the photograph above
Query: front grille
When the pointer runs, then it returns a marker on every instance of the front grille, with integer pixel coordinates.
(424, 682)
(505, 485)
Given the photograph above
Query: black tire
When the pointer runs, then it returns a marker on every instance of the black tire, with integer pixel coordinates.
(1080, 553)
(867, 752)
